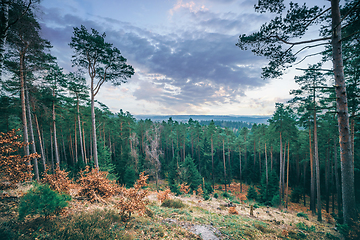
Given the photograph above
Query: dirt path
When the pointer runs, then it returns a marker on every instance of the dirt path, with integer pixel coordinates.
(206, 232)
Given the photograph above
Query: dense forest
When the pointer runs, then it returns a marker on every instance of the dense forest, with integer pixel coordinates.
(57, 112)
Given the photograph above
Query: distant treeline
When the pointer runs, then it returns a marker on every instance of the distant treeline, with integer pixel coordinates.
(228, 124)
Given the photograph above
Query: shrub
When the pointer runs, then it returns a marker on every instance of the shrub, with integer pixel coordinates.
(95, 185)
(232, 210)
(206, 197)
(252, 194)
(302, 214)
(58, 181)
(226, 195)
(173, 203)
(216, 195)
(132, 199)
(184, 188)
(14, 168)
(275, 201)
(208, 187)
(42, 200)
(199, 190)
(267, 191)
(163, 195)
(296, 194)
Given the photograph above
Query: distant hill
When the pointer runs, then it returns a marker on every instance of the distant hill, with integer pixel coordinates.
(205, 118)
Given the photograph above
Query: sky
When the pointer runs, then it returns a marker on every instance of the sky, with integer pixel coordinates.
(183, 53)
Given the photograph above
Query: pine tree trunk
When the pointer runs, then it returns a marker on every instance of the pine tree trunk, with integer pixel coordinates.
(212, 161)
(347, 165)
(5, 12)
(337, 180)
(94, 152)
(84, 150)
(259, 161)
(57, 158)
(52, 150)
(31, 131)
(312, 179)
(271, 158)
(23, 105)
(41, 143)
(80, 137)
(304, 184)
(224, 164)
(280, 183)
(240, 169)
(63, 140)
(75, 142)
(229, 163)
(266, 167)
(287, 177)
(327, 180)
(317, 164)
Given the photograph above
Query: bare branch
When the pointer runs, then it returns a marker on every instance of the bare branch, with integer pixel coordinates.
(311, 55)
(317, 45)
(304, 69)
(302, 42)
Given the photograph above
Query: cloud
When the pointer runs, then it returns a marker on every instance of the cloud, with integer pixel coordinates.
(182, 69)
(191, 6)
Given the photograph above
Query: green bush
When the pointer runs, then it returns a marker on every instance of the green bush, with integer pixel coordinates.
(43, 201)
(302, 214)
(170, 203)
(296, 194)
(252, 194)
(206, 197)
(275, 201)
(216, 195)
(226, 195)
(267, 191)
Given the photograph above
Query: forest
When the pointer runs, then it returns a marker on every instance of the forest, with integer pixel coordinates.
(305, 146)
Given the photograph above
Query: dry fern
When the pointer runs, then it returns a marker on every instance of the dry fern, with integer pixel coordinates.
(58, 181)
(133, 199)
(95, 186)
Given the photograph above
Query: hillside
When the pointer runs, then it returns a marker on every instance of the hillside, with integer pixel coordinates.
(196, 218)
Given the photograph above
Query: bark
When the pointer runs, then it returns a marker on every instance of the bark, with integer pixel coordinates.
(52, 150)
(31, 133)
(317, 164)
(347, 165)
(240, 169)
(280, 183)
(57, 158)
(41, 143)
(94, 152)
(212, 161)
(83, 141)
(229, 163)
(5, 10)
(266, 167)
(337, 180)
(327, 180)
(224, 164)
(287, 176)
(23, 105)
(312, 179)
(75, 143)
(304, 184)
(271, 158)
